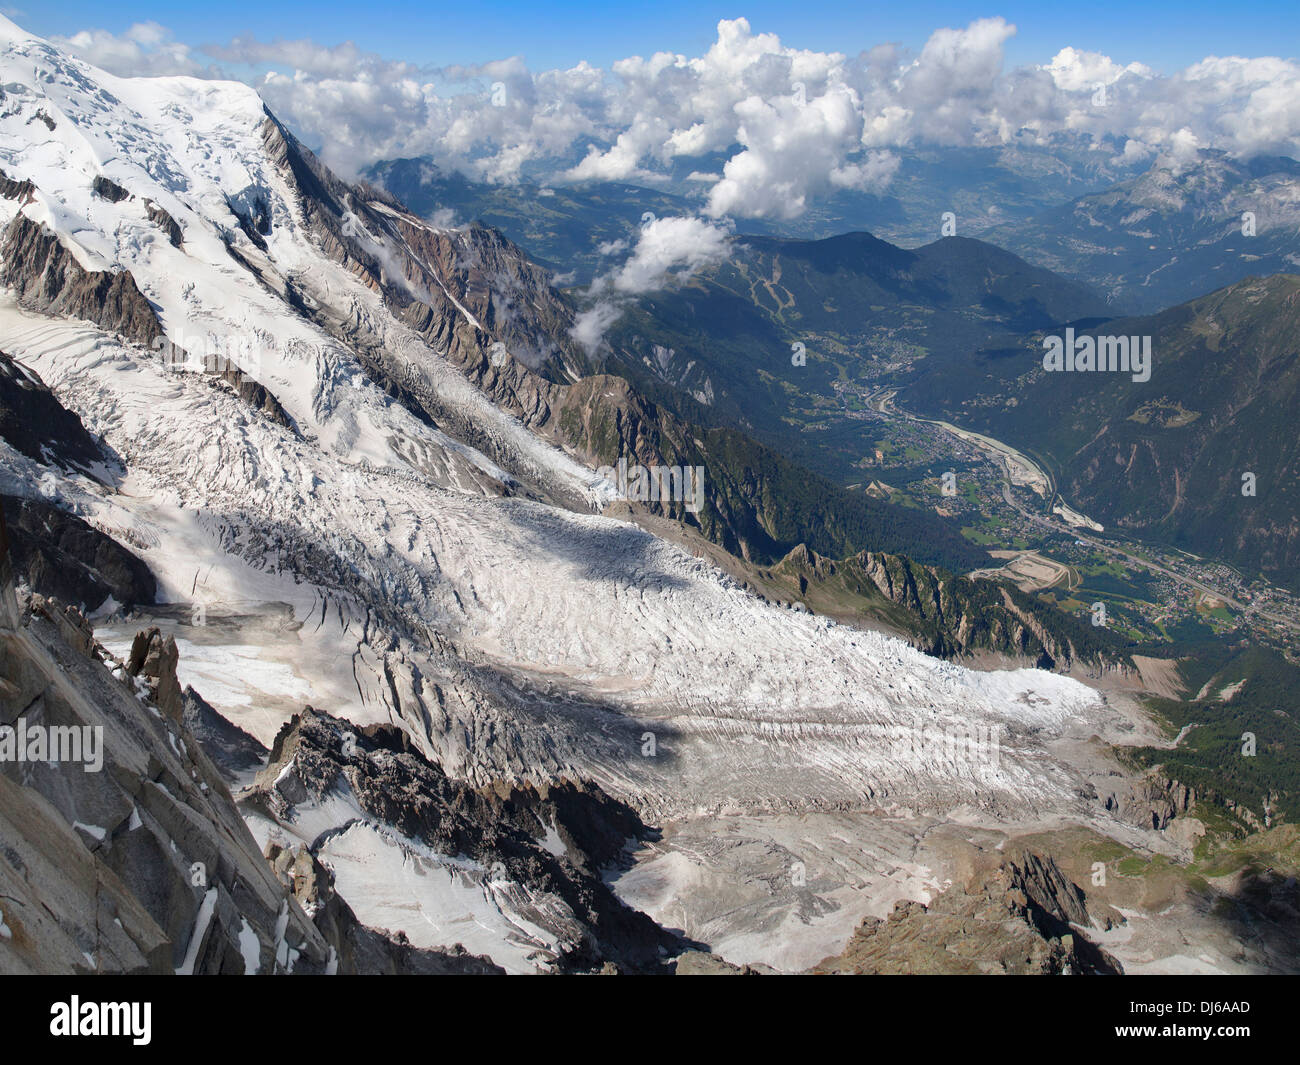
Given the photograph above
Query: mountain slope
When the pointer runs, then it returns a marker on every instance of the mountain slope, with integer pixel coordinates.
(1172, 234)
(861, 311)
(1166, 458)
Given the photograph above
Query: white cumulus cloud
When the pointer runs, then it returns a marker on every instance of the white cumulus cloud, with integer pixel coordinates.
(667, 251)
(782, 125)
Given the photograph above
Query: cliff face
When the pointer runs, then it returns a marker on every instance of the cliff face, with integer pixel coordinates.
(141, 865)
(465, 291)
(1156, 800)
(47, 276)
(1152, 802)
(59, 554)
(34, 423)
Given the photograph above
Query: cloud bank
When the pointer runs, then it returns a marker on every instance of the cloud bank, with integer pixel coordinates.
(764, 127)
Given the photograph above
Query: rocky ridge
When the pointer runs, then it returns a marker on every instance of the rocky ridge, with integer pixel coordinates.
(537, 852)
(1021, 918)
(143, 863)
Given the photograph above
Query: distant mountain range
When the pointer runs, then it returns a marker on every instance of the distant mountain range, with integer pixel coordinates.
(1178, 231)
(1144, 238)
(564, 226)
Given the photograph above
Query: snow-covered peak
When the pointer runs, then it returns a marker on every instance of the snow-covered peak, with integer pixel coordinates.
(12, 33)
(195, 152)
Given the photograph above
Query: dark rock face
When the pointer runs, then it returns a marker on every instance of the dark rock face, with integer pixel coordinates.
(165, 222)
(55, 552)
(59, 554)
(8, 584)
(502, 826)
(1023, 918)
(594, 828)
(232, 749)
(48, 277)
(258, 396)
(35, 423)
(22, 191)
(1155, 801)
(109, 190)
(253, 213)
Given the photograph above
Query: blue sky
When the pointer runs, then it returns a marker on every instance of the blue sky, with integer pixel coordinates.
(1165, 34)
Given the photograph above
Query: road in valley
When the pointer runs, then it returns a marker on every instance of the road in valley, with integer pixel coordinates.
(882, 403)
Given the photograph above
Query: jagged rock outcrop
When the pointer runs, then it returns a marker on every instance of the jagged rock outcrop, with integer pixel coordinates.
(222, 370)
(22, 191)
(154, 659)
(48, 278)
(71, 623)
(1023, 918)
(1152, 802)
(1157, 801)
(1045, 886)
(544, 846)
(165, 222)
(121, 849)
(109, 190)
(958, 615)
